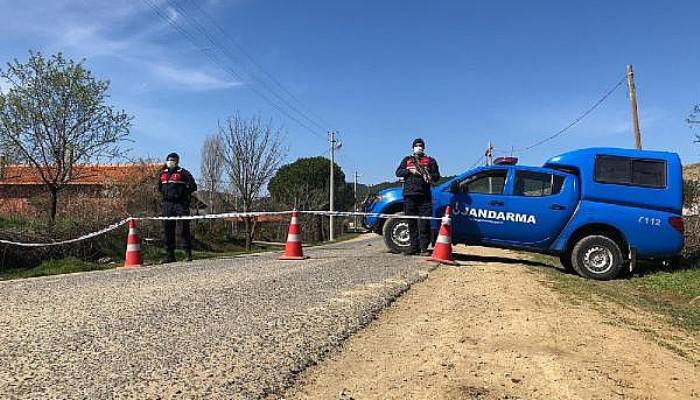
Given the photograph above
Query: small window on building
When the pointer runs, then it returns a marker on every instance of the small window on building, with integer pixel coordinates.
(537, 184)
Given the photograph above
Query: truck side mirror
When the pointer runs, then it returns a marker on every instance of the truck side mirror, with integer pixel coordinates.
(454, 186)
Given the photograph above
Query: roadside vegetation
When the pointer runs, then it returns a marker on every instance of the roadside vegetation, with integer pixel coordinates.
(211, 239)
(671, 292)
(55, 201)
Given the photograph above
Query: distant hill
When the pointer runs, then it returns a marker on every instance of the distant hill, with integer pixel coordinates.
(397, 183)
(384, 185)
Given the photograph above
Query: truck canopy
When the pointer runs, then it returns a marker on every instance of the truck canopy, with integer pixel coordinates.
(641, 178)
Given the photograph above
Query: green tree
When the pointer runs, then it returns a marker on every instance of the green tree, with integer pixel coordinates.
(305, 184)
(54, 116)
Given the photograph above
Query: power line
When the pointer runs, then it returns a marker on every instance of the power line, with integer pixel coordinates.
(223, 50)
(225, 68)
(227, 53)
(477, 162)
(255, 63)
(577, 120)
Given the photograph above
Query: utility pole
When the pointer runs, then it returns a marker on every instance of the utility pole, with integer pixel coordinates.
(331, 140)
(355, 192)
(633, 107)
(489, 162)
(489, 154)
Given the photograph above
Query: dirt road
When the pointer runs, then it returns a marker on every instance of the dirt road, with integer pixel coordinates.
(494, 329)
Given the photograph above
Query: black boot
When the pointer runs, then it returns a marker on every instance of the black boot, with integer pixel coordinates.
(169, 257)
(189, 254)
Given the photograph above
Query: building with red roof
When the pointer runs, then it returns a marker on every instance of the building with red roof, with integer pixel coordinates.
(22, 188)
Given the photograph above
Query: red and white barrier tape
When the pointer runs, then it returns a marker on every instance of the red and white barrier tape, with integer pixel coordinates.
(213, 216)
(364, 214)
(62, 242)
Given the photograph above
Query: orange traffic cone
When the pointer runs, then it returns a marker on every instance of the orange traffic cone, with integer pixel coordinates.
(292, 250)
(442, 252)
(134, 257)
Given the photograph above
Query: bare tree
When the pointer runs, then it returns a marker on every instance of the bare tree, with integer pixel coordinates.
(54, 117)
(253, 151)
(212, 167)
(694, 117)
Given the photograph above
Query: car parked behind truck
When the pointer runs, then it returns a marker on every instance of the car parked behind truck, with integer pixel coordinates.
(598, 209)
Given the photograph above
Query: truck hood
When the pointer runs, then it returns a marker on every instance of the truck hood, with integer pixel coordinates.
(397, 192)
(394, 192)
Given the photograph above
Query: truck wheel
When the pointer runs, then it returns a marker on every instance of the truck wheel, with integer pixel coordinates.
(565, 260)
(597, 257)
(396, 236)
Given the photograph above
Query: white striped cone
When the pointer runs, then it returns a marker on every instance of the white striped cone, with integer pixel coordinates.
(292, 249)
(134, 257)
(442, 252)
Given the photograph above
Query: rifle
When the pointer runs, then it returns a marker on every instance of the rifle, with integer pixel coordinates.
(422, 171)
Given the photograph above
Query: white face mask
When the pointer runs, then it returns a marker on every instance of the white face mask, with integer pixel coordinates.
(171, 164)
(418, 150)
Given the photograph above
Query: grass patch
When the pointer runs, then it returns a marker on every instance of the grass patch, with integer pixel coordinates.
(54, 267)
(152, 255)
(685, 283)
(345, 236)
(671, 293)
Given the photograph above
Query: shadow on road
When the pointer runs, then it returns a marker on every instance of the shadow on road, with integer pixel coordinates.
(496, 259)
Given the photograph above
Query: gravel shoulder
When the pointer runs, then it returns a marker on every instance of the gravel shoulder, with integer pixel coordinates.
(495, 329)
(238, 328)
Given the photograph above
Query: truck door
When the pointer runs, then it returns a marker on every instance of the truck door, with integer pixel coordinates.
(478, 196)
(541, 202)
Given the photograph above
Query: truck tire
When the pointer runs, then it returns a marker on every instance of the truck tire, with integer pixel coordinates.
(565, 260)
(597, 257)
(396, 236)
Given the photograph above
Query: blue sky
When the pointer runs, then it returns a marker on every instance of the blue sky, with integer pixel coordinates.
(457, 73)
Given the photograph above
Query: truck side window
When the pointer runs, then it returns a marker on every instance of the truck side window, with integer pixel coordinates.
(630, 171)
(537, 184)
(490, 182)
(610, 169)
(649, 173)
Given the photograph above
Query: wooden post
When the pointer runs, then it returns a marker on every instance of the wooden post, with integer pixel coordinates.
(633, 107)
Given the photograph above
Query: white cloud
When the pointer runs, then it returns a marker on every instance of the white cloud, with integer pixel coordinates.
(88, 41)
(123, 30)
(194, 79)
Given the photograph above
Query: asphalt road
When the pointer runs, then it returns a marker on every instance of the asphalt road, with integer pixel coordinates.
(237, 328)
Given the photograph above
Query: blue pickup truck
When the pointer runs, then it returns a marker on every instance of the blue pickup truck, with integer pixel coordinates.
(598, 209)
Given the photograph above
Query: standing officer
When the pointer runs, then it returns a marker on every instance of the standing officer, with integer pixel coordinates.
(419, 172)
(176, 184)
